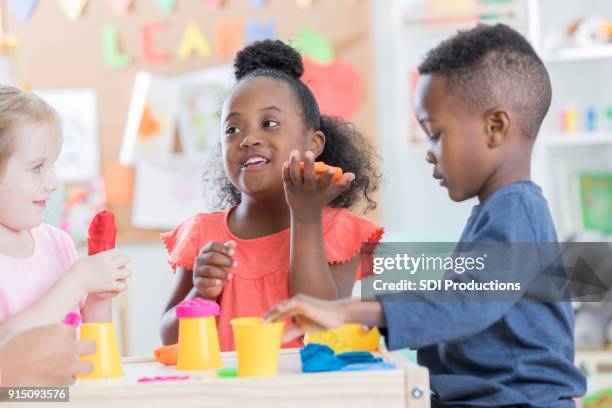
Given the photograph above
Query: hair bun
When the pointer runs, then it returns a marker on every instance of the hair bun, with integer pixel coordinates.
(268, 54)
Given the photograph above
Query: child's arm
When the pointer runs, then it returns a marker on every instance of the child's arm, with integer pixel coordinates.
(313, 315)
(206, 281)
(103, 272)
(307, 196)
(310, 273)
(183, 289)
(50, 308)
(97, 309)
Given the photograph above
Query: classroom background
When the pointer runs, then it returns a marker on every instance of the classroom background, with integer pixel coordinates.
(138, 84)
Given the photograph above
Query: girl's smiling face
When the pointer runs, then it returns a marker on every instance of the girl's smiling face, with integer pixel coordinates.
(262, 123)
(28, 180)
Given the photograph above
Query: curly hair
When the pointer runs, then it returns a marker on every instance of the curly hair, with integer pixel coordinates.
(345, 147)
(494, 65)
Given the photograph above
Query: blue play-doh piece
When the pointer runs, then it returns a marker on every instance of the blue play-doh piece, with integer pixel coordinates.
(368, 367)
(318, 358)
(353, 357)
(313, 349)
(321, 364)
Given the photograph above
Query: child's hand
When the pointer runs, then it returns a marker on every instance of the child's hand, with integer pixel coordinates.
(306, 194)
(104, 272)
(44, 357)
(210, 270)
(311, 315)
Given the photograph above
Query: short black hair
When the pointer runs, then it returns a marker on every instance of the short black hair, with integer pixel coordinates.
(494, 65)
(345, 146)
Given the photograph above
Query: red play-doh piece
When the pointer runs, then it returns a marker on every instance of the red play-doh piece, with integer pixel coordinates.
(102, 233)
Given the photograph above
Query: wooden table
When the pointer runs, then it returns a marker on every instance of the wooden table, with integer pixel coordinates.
(406, 386)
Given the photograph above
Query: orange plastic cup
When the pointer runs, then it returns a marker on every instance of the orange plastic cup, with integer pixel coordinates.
(106, 360)
(257, 346)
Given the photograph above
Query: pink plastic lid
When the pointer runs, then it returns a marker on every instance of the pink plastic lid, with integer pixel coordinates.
(197, 307)
(72, 319)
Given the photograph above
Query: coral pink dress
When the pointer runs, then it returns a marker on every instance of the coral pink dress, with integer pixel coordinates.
(261, 279)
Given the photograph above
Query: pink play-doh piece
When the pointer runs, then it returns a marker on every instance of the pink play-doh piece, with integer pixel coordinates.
(160, 378)
(197, 307)
(72, 319)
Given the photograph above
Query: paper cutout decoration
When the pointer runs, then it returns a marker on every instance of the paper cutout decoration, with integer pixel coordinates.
(119, 184)
(337, 87)
(193, 40)
(304, 3)
(167, 195)
(258, 3)
(260, 31)
(313, 45)
(165, 6)
(54, 212)
(102, 233)
(78, 111)
(229, 37)
(74, 208)
(113, 57)
(149, 126)
(120, 7)
(147, 42)
(214, 4)
(162, 104)
(72, 9)
(23, 8)
(201, 95)
(151, 123)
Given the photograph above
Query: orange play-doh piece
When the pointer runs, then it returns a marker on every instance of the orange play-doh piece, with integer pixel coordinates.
(167, 355)
(321, 169)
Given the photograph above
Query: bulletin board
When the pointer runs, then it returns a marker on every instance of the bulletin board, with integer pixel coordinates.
(55, 52)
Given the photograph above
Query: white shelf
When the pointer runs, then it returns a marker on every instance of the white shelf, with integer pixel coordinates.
(585, 53)
(449, 16)
(575, 139)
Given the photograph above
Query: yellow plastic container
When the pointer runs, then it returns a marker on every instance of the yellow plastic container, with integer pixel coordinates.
(359, 339)
(198, 342)
(106, 360)
(334, 338)
(348, 337)
(257, 346)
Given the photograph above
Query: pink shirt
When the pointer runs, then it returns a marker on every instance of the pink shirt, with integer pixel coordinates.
(24, 280)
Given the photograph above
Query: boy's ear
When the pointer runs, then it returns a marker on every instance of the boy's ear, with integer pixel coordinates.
(497, 122)
(317, 143)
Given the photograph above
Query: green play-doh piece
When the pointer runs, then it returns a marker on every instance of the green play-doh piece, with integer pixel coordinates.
(227, 372)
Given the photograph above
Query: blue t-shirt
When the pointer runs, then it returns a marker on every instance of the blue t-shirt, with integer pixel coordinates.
(490, 354)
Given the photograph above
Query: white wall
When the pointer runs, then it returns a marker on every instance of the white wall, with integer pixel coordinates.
(415, 207)
(146, 296)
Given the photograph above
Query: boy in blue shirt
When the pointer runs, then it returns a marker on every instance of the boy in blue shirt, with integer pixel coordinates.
(481, 99)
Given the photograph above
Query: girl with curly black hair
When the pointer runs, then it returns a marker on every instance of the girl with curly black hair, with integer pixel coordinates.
(282, 229)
